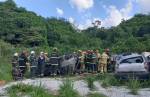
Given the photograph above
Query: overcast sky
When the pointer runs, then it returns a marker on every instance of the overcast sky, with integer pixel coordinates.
(83, 12)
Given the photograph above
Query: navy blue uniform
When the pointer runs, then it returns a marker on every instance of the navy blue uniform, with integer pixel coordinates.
(41, 65)
(22, 63)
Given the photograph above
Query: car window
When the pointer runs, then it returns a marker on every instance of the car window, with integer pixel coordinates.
(148, 58)
(133, 60)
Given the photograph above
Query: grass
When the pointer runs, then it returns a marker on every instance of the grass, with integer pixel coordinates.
(6, 51)
(107, 80)
(66, 90)
(21, 90)
(134, 86)
(96, 95)
(90, 81)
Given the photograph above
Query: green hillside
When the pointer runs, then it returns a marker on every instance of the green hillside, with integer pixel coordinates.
(25, 29)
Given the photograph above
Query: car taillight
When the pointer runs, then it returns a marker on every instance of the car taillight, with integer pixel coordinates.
(146, 66)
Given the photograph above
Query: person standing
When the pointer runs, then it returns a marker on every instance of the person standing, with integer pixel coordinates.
(98, 60)
(41, 64)
(103, 61)
(93, 62)
(23, 62)
(80, 66)
(109, 65)
(33, 64)
(15, 65)
(47, 70)
(87, 61)
(54, 61)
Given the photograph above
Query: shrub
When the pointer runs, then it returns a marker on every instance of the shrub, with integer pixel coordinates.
(29, 90)
(90, 81)
(66, 90)
(133, 85)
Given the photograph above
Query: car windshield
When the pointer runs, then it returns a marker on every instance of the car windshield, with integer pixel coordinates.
(133, 60)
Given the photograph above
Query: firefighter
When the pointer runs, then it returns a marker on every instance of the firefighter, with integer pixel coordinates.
(90, 61)
(104, 61)
(80, 65)
(93, 62)
(87, 61)
(41, 65)
(98, 60)
(54, 61)
(15, 65)
(33, 64)
(46, 57)
(23, 62)
(109, 65)
(47, 70)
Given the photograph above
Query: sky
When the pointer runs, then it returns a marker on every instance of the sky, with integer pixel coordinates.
(82, 13)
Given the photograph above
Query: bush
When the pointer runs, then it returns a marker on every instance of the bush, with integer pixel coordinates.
(133, 85)
(90, 81)
(66, 90)
(27, 90)
(6, 51)
(109, 80)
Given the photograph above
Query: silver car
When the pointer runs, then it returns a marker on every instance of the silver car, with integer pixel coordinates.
(134, 65)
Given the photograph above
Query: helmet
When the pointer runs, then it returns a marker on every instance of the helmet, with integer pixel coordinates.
(32, 52)
(41, 53)
(79, 51)
(16, 54)
(54, 48)
(45, 53)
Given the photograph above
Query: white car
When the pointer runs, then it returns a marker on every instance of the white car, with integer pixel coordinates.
(134, 65)
(147, 55)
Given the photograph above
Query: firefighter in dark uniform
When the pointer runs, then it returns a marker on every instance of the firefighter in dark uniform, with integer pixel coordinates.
(87, 61)
(33, 64)
(15, 67)
(93, 62)
(41, 65)
(90, 61)
(54, 61)
(23, 60)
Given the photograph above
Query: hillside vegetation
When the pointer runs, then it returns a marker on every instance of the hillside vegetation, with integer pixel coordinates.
(23, 28)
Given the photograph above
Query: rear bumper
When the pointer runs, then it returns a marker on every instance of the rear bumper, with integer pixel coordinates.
(137, 75)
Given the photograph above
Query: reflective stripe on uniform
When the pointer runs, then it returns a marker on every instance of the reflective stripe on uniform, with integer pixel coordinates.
(33, 66)
(90, 63)
(54, 64)
(54, 57)
(22, 66)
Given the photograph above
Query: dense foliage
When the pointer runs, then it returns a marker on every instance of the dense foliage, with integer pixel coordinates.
(25, 29)
(130, 36)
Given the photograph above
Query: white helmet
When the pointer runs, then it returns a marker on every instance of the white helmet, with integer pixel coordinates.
(16, 54)
(32, 52)
(41, 53)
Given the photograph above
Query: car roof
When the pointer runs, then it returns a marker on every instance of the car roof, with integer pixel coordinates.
(130, 56)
